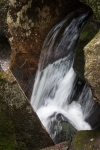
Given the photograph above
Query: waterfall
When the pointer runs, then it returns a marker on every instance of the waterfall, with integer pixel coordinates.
(58, 93)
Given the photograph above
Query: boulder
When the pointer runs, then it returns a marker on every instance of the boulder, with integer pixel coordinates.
(60, 129)
(92, 65)
(20, 128)
(86, 140)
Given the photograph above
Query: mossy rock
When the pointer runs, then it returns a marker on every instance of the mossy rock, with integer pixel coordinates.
(20, 128)
(7, 136)
(86, 140)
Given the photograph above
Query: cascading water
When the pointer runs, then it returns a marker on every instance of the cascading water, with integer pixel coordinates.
(59, 94)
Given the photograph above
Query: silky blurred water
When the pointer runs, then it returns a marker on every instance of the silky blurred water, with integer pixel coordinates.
(54, 89)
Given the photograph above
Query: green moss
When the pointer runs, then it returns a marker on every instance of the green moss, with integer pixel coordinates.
(84, 34)
(89, 30)
(20, 128)
(85, 140)
(2, 76)
(7, 137)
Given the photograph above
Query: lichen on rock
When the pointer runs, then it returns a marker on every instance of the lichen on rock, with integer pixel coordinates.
(92, 65)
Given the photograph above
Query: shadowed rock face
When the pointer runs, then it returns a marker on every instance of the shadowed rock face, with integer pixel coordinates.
(29, 22)
(5, 52)
(20, 127)
(95, 5)
(5, 49)
(87, 34)
(3, 17)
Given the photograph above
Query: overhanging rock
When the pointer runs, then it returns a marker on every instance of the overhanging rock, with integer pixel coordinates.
(95, 5)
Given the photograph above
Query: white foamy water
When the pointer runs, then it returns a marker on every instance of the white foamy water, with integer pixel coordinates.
(51, 94)
(55, 81)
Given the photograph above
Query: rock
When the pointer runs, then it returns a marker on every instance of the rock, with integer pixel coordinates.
(90, 29)
(86, 140)
(95, 5)
(20, 128)
(5, 52)
(85, 65)
(92, 66)
(3, 16)
(61, 146)
(61, 129)
(29, 22)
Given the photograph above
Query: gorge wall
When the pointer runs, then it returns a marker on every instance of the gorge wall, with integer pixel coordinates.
(28, 24)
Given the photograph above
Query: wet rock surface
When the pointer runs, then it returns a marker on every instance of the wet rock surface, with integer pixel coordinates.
(20, 127)
(61, 129)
